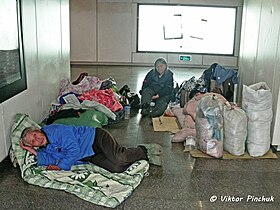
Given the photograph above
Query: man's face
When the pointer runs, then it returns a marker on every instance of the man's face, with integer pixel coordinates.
(36, 138)
(161, 68)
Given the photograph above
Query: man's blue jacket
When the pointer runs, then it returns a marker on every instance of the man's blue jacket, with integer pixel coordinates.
(66, 145)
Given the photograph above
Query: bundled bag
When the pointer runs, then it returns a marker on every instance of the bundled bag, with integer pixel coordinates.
(188, 86)
(87, 83)
(209, 126)
(187, 115)
(131, 98)
(109, 83)
(257, 103)
(235, 129)
(80, 78)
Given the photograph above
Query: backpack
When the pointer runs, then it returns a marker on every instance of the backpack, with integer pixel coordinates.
(133, 98)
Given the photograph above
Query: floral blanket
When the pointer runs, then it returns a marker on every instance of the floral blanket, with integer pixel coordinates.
(87, 181)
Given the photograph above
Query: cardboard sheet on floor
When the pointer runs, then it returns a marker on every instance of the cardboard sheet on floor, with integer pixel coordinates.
(227, 156)
(164, 123)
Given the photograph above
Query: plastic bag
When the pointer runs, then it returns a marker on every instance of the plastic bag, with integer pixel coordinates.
(235, 130)
(189, 144)
(209, 126)
(257, 103)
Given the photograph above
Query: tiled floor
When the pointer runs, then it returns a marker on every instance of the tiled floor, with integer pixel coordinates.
(182, 183)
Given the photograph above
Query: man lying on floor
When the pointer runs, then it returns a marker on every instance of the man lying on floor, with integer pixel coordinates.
(61, 146)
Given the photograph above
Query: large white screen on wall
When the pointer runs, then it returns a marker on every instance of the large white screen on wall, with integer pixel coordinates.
(192, 29)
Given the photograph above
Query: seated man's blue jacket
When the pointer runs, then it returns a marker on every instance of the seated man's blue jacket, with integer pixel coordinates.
(67, 145)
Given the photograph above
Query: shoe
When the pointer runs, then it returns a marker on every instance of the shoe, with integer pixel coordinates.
(155, 160)
(144, 106)
(153, 149)
(144, 112)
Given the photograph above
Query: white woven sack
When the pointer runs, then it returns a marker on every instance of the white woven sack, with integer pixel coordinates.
(257, 103)
(256, 97)
(235, 130)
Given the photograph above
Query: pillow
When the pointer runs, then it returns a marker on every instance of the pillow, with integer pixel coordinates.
(17, 154)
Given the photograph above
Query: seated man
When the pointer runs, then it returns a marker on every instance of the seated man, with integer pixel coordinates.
(61, 146)
(157, 88)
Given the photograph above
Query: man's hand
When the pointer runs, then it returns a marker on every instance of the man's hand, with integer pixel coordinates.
(53, 167)
(155, 97)
(28, 148)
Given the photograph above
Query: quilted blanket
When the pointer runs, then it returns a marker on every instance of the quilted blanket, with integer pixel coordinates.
(87, 181)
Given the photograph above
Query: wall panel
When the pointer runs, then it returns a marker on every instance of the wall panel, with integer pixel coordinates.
(114, 32)
(259, 52)
(83, 30)
(47, 60)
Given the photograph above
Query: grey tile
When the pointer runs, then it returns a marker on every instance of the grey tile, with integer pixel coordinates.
(222, 183)
(182, 182)
(159, 204)
(270, 165)
(161, 186)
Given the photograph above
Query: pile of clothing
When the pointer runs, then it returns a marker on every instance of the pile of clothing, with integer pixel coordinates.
(87, 97)
(216, 78)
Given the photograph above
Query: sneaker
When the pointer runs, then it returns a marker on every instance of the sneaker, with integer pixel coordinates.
(145, 105)
(155, 160)
(145, 112)
(153, 149)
